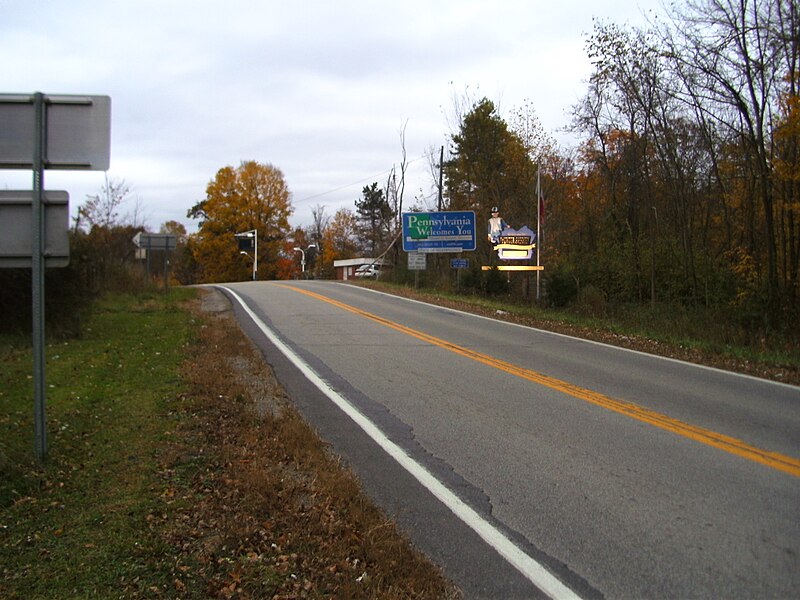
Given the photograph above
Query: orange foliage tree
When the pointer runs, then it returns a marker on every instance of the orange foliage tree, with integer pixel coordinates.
(253, 196)
(339, 240)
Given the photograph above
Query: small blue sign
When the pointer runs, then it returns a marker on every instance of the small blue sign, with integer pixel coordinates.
(448, 231)
(459, 263)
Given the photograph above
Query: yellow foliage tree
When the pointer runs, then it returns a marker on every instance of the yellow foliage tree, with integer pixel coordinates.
(253, 196)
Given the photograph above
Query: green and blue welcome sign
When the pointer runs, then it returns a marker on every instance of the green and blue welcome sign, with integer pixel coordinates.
(444, 231)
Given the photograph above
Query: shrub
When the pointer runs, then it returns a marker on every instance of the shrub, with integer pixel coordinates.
(562, 288)
(495, 283)
(591, 302)
(100, 261)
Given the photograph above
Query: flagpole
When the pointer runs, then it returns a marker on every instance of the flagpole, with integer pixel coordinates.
(538, 223)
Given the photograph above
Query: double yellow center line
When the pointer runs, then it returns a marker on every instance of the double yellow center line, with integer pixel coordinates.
(781, 462)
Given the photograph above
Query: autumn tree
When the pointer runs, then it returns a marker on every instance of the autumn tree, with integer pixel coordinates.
(174, 228)
(340, 240)
(619, 112)
(253, 196)
(300, 239)
(787, 171)
(685, 176)
(182, 266)
(735, 60)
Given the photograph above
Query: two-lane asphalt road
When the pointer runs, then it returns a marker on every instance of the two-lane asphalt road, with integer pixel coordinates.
(528, 463)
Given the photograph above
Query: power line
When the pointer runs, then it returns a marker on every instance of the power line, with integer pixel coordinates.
(360, 181)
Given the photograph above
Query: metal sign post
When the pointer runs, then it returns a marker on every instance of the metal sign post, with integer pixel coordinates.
(37, 278)
(459, 264)
(157, 241)
(39, 132)
(417, 261)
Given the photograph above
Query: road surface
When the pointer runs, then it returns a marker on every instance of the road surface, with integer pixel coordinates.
(530, 464)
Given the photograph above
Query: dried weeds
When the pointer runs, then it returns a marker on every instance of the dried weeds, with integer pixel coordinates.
(256, 506)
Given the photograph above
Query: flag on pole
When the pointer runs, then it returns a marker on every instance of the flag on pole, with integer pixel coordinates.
(540, 214)
(539, 203)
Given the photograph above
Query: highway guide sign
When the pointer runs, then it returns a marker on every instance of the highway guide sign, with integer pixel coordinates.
(448, 231)
(155, 241)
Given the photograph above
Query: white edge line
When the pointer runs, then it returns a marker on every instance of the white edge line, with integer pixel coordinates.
(530, 568)
(580, 339)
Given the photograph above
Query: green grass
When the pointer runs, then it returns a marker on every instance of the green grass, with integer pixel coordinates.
(75, 526)
(707, 331)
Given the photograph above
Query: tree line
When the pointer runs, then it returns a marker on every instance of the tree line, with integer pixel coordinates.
(686, 186)
(102, 258)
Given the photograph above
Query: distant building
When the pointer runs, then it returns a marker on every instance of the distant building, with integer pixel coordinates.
(346, 268)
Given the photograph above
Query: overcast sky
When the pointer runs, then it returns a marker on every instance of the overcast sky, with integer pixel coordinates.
(320, 90)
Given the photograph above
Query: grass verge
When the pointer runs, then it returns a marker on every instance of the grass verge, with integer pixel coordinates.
(692, 338)
(72, 527)
(178, 469)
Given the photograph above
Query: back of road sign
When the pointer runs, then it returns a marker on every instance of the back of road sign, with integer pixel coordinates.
(16, 229)
(78, 132)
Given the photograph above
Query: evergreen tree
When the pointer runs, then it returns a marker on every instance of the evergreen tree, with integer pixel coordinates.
(375, 217)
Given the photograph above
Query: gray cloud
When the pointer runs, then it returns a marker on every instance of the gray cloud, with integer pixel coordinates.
(319, 89)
